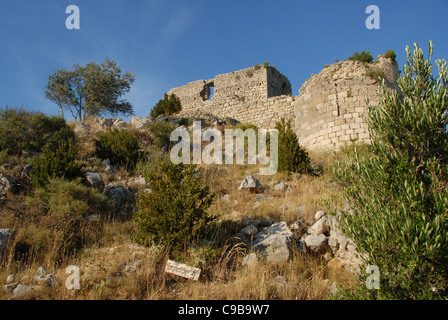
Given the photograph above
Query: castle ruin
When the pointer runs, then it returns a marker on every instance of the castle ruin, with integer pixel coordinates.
(327, 114)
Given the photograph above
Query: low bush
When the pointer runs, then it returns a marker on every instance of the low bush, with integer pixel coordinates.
(174, 213)
(58, 159)
(26, 131)
(363, 56)
(390, 54)
(375, 73)
(57, 216)
(161, 132)
(121, 147)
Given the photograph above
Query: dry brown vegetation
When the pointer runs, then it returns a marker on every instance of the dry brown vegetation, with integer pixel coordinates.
(112, 266)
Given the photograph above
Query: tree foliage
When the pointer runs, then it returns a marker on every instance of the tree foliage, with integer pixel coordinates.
(58, 159)
(363, 56)
(26, 131)
(399, 194)
(91, 90)
(291, 156)
(170, 104)
(121, 147)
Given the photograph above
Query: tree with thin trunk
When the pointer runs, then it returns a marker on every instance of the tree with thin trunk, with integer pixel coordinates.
(91, 90)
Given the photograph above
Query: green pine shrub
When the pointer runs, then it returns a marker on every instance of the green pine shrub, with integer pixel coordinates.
(390, 54)
(291, 156)
(174, 213)
(121, 147)
(398, 194)
(58, 159)
(363, 56)
(170, 104)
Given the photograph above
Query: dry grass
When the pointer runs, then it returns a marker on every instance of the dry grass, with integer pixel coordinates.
(106, 265)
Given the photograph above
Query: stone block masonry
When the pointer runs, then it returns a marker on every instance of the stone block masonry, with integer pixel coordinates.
(328, 113)
(258, 95)
(331, 108)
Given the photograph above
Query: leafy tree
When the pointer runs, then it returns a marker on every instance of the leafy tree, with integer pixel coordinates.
(175, 211)
(170, 104)
(291, 156)
(399, 193)
(90, 90)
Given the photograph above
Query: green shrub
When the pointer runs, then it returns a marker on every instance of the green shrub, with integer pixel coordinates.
(58, 213)
(291, 156)
(121, 147)
(186, 122)
(398, 193)
(161, 132)
(168, 105)
(375, 73)
(390, 54)
(57, 159)
(175, 212)
(362, 57)
(22, 130)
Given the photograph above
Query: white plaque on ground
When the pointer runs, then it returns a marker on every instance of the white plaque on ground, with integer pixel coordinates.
(182, 270)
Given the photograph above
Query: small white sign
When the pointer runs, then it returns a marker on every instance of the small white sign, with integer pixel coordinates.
(182, 270)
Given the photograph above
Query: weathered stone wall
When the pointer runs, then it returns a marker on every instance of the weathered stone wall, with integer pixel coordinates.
(328, 113)
(256, 95)
(331, 107)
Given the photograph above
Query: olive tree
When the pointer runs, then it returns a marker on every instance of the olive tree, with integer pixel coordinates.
(91, 90)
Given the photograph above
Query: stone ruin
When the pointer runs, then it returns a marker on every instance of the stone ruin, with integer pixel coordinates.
(326, 114)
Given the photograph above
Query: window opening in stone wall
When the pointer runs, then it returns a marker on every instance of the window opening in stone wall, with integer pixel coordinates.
(208, 91)
(212, 91)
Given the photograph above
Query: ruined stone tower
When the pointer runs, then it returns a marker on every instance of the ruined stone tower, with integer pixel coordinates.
(327, 114)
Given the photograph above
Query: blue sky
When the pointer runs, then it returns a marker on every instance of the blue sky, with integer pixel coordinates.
(170, 43)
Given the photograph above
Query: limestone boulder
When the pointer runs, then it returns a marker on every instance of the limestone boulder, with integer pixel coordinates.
(252, 184)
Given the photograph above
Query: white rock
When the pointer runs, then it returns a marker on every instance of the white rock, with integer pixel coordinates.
(251, 183)
(319, 214)
(250, 230)
(22, 290)
(10, 278)
(250, 260)
(5, 236)
(319, 227)
(94, 178)
(7, 184)
(316, 243)
(280, 187)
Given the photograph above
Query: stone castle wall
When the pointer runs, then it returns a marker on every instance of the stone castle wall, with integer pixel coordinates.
(328, 113)
(257, 95)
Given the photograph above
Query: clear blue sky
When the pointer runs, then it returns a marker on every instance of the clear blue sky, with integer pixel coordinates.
(170, 43)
